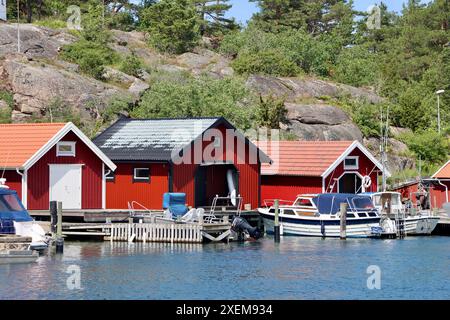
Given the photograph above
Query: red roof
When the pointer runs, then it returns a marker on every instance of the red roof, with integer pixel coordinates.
(19, 142)
(301, 158)
(443, 172)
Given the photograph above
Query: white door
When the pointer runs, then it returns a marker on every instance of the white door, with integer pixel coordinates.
(65, 185)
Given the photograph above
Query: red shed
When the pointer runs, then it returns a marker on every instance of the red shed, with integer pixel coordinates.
(53, 161)
(310, 167)
(197, 156)
(439, 186)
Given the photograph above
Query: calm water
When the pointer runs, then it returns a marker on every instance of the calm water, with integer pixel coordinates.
(297, 268)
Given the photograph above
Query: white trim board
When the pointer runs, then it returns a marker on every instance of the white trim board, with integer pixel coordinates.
(57, 137)
(353, 146)
(440, 169)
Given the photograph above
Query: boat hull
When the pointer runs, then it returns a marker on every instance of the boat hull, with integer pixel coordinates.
(420, 225)
(314, 227)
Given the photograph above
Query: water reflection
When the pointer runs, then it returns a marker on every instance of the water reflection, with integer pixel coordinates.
(296, 268)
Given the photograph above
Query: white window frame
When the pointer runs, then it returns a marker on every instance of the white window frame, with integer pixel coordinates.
(140, 179)
(71, 153)
(350, 167)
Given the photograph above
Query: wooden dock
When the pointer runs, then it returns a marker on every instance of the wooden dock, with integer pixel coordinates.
(443, 227)
(13, 242)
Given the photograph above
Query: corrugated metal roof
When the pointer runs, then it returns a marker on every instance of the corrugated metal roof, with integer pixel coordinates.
(150, 139)
(301, 158)
(19, 142)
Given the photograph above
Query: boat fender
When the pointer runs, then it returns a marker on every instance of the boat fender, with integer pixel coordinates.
(367, 182)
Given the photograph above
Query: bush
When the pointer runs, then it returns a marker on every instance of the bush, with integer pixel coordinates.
(294, 49)
(428, 145)
(5, 114)
(131, 65)
(199, 97)
(356, 66)
(90, 56)
(270, 62)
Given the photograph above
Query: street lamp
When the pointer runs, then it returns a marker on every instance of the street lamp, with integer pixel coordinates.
(439, 92)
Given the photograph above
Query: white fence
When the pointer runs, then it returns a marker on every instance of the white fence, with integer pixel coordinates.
(155, 232)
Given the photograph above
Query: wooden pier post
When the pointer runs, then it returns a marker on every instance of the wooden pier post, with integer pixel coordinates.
(59, 239)
(53, 217)
(276, 225)
(343, 222)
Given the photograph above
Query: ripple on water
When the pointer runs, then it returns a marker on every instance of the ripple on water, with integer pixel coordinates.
(297, 268)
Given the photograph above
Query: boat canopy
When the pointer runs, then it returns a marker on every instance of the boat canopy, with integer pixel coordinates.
(329, 203)
(11, 208)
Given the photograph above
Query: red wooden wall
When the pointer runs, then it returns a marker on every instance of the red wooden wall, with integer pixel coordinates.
(288, 187)
(39, 176)
(248, 170)
(13, 181)
(437, 194)
(366, 167)
(123, 189)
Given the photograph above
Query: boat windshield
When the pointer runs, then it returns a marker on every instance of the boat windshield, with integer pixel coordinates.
(303, 202)
(362, 203)
(9, 202)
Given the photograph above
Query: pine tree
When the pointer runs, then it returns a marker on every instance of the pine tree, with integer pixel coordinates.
(315, 16)
(212, 16)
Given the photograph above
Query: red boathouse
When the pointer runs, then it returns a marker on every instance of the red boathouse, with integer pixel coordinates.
(53, 161)
(194, 156)
(310, 167)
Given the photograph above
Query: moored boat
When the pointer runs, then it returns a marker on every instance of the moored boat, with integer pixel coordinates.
(414, 222)
(319, 216)
(15, 219)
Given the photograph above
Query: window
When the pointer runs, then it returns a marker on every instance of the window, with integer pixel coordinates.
(65, 149)
(351, 163)
(288, 212)
(110, 176)
(141, 174)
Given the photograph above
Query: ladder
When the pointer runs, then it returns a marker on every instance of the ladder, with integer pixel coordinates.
(400, 217)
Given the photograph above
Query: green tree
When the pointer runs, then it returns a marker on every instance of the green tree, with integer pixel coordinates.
(183, 96)
(172, 25)
(212, 16)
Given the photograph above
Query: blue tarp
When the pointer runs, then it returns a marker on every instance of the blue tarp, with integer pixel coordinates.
(176, 203)
(329, 203)
(11, 208)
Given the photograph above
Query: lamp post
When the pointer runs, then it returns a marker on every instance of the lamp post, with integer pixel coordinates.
(18, 26)
(439, 92)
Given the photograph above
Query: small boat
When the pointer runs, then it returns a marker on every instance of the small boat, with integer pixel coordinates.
(15, 219)
(18, 256)
(319, 216)
(420, 222)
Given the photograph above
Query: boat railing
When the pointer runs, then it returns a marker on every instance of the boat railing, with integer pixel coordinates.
(271, 202)
(143, 211)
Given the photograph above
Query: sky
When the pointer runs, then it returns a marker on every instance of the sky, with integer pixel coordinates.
(243, 10)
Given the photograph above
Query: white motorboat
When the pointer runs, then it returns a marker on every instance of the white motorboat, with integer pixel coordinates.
(319, 216)
(420, 222)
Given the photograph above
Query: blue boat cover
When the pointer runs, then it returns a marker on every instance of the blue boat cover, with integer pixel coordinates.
(329, 203)
(176, 203)
(11, 208)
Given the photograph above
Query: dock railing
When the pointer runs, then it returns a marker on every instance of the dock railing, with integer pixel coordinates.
(155, 232)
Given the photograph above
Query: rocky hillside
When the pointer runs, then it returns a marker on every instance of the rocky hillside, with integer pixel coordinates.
(38, 76)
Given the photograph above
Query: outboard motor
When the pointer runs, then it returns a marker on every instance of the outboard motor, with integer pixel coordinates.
(240, 225)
